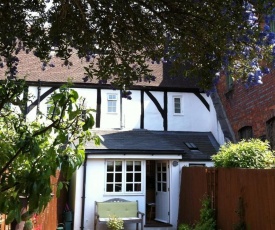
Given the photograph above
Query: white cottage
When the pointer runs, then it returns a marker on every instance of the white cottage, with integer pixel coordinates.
(168, 124)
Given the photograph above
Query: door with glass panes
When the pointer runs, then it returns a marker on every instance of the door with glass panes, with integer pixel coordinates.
(162, 191)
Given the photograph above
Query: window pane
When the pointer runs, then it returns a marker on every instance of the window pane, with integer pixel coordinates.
(159, 187)
(159, 167)
(163, 176)
(177, 105)
(137, 177)
(138, 166)
(164, 167)
(164, 187)
(118, 187)
(111, 106)
(137, 187)
(110, 166)
(129, 177)
(129, 187)
(109, 188)
(159, 177)
(118, 166)
(110, 177)
(129, 166)
(118, 177)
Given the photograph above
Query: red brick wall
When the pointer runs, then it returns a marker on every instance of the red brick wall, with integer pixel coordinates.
(249, 107)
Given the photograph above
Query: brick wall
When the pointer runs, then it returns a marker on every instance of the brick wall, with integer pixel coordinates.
(249, 107)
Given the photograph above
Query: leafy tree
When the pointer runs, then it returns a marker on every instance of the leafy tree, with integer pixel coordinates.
(118, 38)
(32, 151)
(252, 153)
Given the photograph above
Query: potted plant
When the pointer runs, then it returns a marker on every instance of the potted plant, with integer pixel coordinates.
(28, 225)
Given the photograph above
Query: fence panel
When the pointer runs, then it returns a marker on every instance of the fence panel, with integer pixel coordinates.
(240, 196)
(193, 188)
(50, 217)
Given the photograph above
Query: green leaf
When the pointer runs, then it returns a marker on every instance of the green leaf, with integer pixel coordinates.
(89, 123)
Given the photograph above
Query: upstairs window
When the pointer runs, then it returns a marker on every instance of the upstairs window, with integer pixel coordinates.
(177, 105)
(245, 133)
(112, 103)
(123, 176)
(270, 132)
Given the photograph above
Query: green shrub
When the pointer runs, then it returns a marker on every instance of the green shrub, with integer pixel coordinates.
(184, 227)
(207, 218)
(252, 153)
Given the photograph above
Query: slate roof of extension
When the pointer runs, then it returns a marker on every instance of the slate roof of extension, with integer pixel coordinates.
(161, 142)
(30, 66)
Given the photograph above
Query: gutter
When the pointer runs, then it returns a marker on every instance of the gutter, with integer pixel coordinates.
(83, 192)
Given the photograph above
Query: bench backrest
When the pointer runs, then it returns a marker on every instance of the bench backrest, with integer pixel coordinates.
(117, 209)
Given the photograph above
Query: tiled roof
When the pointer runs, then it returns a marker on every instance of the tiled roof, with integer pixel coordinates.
(162, 141)
(30, 67)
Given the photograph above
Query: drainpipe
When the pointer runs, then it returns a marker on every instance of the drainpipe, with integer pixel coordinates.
(121, 117)
(83, 192)
(38, 97)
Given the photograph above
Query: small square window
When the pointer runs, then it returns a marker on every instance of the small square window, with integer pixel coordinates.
(112, 103)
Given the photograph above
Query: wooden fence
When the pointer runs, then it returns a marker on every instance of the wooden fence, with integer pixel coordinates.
(50, 217)
(237, 195)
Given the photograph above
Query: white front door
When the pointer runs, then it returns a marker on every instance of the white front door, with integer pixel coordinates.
(162, 191)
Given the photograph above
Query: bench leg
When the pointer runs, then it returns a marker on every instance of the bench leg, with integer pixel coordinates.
(141, 226)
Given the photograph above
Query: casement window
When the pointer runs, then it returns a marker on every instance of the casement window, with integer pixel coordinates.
(112, 103)
(245, 133)
(124, 176)
(177, 102)
(270, 132)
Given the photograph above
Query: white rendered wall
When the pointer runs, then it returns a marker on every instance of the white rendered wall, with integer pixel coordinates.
(109, 120)
(152, 117)
(131, 111)
(215, 124)
(90, 96)
(33, 94)
(195, 116)
(95, 192)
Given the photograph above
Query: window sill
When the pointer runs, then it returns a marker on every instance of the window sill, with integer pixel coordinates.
(125, 194)
(178, 114)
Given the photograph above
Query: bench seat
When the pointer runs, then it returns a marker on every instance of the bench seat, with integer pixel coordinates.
(119, 208)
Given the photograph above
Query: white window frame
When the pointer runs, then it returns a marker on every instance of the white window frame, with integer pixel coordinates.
(123, 183)
(112, 99)
(180, 104)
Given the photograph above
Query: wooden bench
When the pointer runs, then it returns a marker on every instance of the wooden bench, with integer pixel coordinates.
(119, 208)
